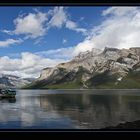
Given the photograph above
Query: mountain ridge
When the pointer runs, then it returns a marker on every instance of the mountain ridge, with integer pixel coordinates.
(12, 81)
(97, 68)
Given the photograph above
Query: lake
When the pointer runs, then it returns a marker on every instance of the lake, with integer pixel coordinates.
(69, 109)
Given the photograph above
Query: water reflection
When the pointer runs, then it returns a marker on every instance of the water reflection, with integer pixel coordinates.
(69, 109)
(94, 110)
(8, 100)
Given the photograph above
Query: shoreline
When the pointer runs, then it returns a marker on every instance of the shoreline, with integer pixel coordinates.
(74, 89)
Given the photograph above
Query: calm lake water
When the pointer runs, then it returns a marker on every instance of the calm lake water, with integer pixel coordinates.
(69, 109)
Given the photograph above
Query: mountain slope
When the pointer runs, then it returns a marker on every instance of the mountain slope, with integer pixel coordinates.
(110, 68)
(10, 81)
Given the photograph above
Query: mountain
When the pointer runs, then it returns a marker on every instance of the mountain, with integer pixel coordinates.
(11, 81)
(108, 68)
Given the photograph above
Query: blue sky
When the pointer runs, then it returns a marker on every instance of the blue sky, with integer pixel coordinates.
(33, 38)
(85, 17)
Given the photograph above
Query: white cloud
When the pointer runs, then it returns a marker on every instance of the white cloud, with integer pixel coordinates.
(119, 11)
(82, 18)
(62, 53)
(73, 26)
(29, 65)
(7, 32)
(60, 18)
(31, 25)
(37, 24)
(64, 41)
(38, 40)
(8, 42)
(119, 29)
(82, 47)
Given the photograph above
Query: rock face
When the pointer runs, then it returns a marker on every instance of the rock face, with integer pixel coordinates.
(92, 69)
(10, 81)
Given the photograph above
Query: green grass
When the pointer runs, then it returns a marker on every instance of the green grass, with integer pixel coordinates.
(70, 85)
(33, 85)
(131, 81)
(103, 80)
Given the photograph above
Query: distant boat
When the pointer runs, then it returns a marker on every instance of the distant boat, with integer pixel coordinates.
(7, 93)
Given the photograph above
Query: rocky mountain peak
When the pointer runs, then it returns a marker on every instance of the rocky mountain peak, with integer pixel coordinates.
(82, 55)
(110, 63)
(135, 50)
(87, 54)
(107, 49)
